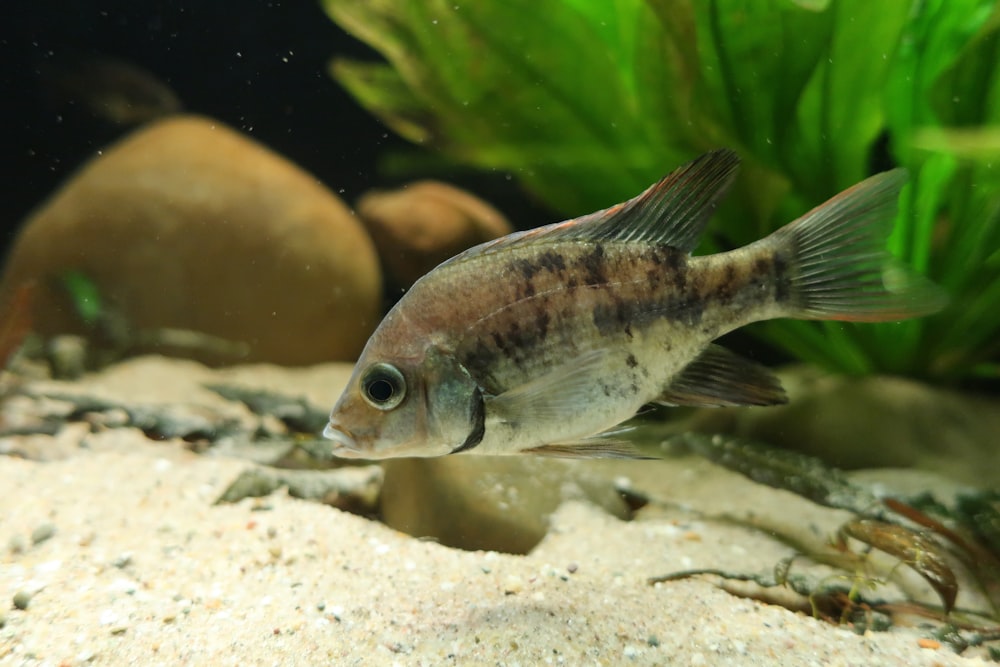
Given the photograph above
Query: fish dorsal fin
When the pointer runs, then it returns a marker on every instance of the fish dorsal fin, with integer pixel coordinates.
(720, 378)
(673, 212)
(551, 396)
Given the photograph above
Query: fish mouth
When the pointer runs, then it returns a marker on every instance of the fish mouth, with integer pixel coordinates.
(344, 444)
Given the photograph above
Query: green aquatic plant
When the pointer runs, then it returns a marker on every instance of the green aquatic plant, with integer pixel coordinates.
(587, 103)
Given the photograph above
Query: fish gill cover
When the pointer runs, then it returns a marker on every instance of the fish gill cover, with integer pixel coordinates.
(588, 102)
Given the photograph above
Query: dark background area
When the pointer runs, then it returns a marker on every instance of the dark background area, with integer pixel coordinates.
(259, 66)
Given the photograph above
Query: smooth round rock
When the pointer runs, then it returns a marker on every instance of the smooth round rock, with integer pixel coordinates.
(421, 225)
(187, 224)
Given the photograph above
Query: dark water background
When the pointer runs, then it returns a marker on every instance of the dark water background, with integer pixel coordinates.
(260, 66)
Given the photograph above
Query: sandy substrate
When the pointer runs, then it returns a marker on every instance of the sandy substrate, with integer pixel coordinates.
(119, 555)
(142, 568)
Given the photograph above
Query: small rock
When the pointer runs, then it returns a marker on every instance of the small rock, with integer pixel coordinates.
(354, 489)
(421, 225)
(42, 532)
(17, 544)
(68, 356)
(512, 585)
(86, 656)
(122, 561)
(22, 599)
(224, 238)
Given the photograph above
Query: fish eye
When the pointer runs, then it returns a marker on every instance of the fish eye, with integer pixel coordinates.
(383, 386)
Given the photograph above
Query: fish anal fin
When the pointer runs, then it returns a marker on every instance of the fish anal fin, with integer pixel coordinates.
(589, 449)
(720, 378)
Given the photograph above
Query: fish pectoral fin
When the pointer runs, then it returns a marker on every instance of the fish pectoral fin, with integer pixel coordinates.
(720, 378)
(590, 448)
(553, 396)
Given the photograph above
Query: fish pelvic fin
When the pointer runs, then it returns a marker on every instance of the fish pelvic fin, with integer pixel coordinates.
(720, 378)
(832, 263)
(590, 449)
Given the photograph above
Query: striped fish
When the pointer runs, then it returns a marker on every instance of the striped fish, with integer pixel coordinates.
(544, 341)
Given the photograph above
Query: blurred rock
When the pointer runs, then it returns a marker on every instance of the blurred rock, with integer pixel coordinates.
(419, 226)
(188, 225)
(871, 422)
(352, 489)
(163, 398)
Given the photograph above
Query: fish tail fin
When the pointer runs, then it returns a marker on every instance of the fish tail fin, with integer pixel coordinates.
(836, 266)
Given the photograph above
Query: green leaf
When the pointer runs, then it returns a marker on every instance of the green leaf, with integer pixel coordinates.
(587, 103)
(85, 295)
(752, 46)
(978, 144)
(380, 87)
(841, 113)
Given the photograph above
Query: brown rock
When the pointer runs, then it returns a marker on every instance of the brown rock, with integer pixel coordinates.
(419, 226)
(189, 225)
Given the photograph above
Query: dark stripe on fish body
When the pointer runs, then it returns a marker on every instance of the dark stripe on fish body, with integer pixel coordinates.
(548, 261)
(593, 266)
(478, 424)
(620, 315)
(481, 359)
(542, 320)
(782, 281)
(668, 266)
(548, 298)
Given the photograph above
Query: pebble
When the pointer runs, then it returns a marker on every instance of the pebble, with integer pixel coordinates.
(22, 599)
(122, 560)
(85, 656)
(512, 585)
(43, 532)
(17, 544)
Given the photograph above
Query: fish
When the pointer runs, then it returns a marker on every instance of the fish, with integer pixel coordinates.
(110, 89)
(545, 341)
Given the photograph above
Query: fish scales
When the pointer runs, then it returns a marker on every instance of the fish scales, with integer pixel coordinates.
(549, 302)
(544, 341)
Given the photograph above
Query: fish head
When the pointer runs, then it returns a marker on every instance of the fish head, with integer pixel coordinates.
(396, 405)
